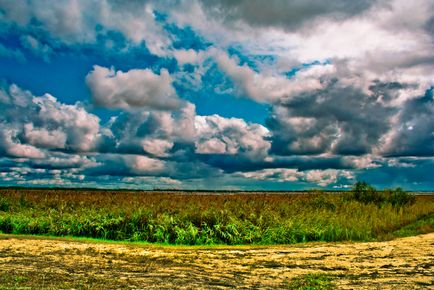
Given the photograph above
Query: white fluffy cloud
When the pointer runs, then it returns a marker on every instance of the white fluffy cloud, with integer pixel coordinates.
(218, 135)
(157, 147)
(12, 147)
(320, 177)
(345, 81)
(142, 164)
(137, 88)
(270, 88)
(46, 123)
(77, 21)
(42, 137)
(152, 132)
(373, 40)
(190, 56)
(82, 128)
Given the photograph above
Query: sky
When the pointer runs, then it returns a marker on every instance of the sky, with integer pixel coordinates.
(221, 95)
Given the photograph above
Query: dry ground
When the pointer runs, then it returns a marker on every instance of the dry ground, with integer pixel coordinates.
(406, 263)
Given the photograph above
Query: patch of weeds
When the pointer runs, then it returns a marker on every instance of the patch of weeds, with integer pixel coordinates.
(315, 281)
(12, 280)
(321, 202)
(20, 280)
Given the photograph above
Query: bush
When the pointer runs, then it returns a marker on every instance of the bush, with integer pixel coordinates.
(398, 197)
(366, 194)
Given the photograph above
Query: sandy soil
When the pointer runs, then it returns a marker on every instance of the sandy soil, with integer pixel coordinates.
(406, 263)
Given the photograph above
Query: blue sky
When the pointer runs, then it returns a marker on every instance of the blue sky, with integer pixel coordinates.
(217, 95)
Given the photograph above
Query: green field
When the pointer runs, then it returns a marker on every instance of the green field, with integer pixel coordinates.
(209, 219)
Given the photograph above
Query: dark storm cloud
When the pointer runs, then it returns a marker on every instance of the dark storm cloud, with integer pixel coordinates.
(286, 14)
(338, 119)
(124, 165)
(6, 163)
(430, 26)
(415, 173)
(414, 135)
(59, 160)
(240, 163)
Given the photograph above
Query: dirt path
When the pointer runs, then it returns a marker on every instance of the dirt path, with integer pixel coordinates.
(405, 263)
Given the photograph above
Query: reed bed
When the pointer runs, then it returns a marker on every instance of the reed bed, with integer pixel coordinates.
(191, 219)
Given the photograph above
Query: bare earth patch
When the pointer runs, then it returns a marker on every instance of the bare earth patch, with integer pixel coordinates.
(405, 263)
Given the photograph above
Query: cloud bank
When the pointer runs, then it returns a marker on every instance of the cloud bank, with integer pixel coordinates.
(168, 93)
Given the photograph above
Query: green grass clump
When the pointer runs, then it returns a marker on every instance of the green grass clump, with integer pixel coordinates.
(4, 204)
(312, 282)
(189, 219)
(421, 226)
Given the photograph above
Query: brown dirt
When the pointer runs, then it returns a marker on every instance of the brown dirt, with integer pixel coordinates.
(405, 263)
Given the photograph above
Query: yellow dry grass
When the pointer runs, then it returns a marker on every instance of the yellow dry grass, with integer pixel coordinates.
(404, 263)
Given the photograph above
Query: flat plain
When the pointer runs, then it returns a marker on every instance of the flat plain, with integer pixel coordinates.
(63, 239)
(37, 262)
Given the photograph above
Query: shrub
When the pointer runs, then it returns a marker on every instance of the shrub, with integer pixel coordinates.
(366, 194)
(399, 197)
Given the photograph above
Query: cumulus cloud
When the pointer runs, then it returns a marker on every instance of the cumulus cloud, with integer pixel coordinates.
(46, 123)
(81, 127)
(189, 56)
(364, 45)
(269, 88)
(348, 84)
(78, 22)
(60, 160)
(218, 135)
(113, 164)
(137, 88)
(10, 146)
(42, 137)
(157, 147)
(413, 132)
(143, 164)
(320, 177)
(151, 132)
(319, 122)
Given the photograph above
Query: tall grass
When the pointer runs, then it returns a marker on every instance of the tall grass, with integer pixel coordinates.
(191, 219)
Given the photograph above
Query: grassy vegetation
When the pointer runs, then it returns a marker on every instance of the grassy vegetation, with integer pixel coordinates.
(190, 219)
(421, 226)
